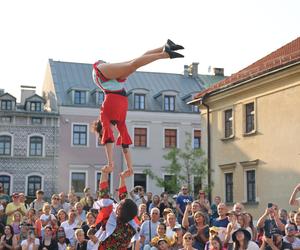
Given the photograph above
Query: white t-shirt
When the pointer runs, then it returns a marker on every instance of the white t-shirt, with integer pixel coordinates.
(69, 230)
(25, 243)
(45, 217)
(252, 246)
(62, 246)
(92, 246)
(295, 244)
(137, 199)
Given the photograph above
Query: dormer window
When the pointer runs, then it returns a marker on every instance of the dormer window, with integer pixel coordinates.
(79, 97)
(195, 109)
(139, 101)
(169, 103)
(6, 104)
(35, 106)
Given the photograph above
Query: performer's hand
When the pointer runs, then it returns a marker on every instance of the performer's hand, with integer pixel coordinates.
(107, 169)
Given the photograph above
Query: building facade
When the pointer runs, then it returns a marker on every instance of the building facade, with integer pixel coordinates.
(157, 120)
(250, 125)
(28, 144)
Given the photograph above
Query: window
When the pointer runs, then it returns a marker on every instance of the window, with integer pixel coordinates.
(79, 97)
(35, 106)
(251, 193)
(140, 137)
(79, 134)
(139, 101)
(228, 123)
(195, 108)
(5, 145)
(78, 181)
(250, 117)
(36, 146)
(197, 139)
(6, 119)
(6, 105)
(6, 180)
(170, 138)
(98, 180)
(228, 187)
(140, 180)
(169, 103)
(100, 97)
(170, 184)
(36, 120)
(197, 185)
(34, 184)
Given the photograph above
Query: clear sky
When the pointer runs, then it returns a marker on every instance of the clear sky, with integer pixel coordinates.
(219, 33)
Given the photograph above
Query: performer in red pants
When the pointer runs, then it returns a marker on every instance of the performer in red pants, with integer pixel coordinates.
(110, 77)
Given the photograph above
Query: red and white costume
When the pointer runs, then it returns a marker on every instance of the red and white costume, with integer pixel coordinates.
(113, 109)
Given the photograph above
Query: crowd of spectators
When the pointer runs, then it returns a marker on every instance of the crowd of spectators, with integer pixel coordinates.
(181, 222)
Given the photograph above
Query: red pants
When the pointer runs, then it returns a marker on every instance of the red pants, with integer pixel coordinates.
(114, 108)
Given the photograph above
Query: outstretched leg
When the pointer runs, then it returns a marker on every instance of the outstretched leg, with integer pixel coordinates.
(124, 69)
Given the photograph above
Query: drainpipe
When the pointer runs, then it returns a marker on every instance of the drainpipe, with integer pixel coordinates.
(208, 150)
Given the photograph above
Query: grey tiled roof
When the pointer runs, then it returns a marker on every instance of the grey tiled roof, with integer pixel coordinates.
(68, 75)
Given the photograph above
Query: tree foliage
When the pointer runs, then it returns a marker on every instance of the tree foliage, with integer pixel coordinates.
(183, 165)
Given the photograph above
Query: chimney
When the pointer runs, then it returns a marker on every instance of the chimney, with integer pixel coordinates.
(26, 91)
(1, 91)
(193, 68)
(186, 70)
(219, 71)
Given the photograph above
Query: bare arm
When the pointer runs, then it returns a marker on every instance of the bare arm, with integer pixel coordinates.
(261, 220)
(185, 219)
(293, 201)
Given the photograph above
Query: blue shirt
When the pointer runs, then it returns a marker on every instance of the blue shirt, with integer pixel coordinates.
(183, 200)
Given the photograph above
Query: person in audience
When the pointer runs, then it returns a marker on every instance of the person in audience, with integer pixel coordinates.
(238, 208)
(93, 242)
(48, 242)
(204, 203)
(242, 240)
(138, 195)
(55, 204)
(164, 203)
(62, 241)
(177, 240)
(155, 202)
(182, 200)
(31, 243)
(291, 218)
(162, 244)
(249, 224)
(148, 228)
(294, 201)
(38, 203)
(160, 234)
(87, 201)
(222, 221)
(171, 224)
(149, 196)
(214, 207)
(232, 226)
(16, 222)
(46, 217)
(188, 216)
(275, 242)
(6, 241)
(69, 226)
(214, 243)
(63, 202)
(199, 230)
(90, 221)
(165, 214)
(290, 232)
(81, 242)
(13, 207)
(61, 216)
(81, 214)
(72, 199)
(141, 209)
(188, 242)
(283, 216)
(297, 222)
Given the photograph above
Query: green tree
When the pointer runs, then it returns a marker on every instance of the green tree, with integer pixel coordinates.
(183, 165)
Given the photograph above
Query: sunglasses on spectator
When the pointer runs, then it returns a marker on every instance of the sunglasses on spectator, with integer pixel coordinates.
(55, 198)
(188, 238)
(154, 213)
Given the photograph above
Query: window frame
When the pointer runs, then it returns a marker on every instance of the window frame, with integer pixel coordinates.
(193, 143)
(225, 187)
(37, 105)
(72, 171)
(169, 97)
(11, 181)
(146, 136)
(228, 121)
(11, 144)
(247, 116)
(147, 180)
(29, 145)
(27, 182)
(87, 134)
(6, 102)
(137, 104)
(36, 118)
(164, 138)
(82, 93)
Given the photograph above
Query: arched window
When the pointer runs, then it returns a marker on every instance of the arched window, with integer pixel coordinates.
(6, 182)
(5, 145)
(36, 146)
(34, 183)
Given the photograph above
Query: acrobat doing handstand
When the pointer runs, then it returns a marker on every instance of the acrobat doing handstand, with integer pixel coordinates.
(110, 77)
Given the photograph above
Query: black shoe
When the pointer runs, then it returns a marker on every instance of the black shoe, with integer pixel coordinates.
(174, 46)
(172, 54)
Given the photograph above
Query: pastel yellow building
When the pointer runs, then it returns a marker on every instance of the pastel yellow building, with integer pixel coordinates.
(252, 133)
